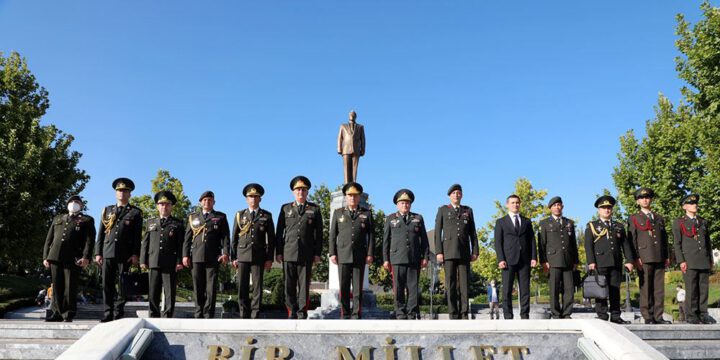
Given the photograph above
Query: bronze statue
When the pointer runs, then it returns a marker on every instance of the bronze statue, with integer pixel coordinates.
(351, 145)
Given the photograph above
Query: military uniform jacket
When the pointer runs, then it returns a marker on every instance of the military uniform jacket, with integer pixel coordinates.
(162, 243)
(120, 232)
(206, 240)
(605, 246)
(455, 233)
(405, 243)
(648, 237)
(253, 239)
(70, 238)
(299, 235)
(557, 243)
(692, 242)
(352, 238)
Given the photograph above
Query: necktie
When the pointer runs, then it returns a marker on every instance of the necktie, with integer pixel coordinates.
(607, 223)
(118, 209)
(301, 208)
(517, 223)
(405, 218)
(352, 213)
(162, 221)
(206, 215)
(252, 215)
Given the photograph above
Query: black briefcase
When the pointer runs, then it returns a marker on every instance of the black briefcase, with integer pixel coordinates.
(135, 283)
(595, 286)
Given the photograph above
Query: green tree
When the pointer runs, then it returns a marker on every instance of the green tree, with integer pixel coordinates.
(38, 171)
(680, 152)
(322, 197)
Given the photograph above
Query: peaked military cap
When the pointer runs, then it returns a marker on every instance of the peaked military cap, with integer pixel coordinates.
(123, 184)
(644, 192)
(207, 194)
(453, 188)
(253, 189)
(690, 199)
(299, 182)
(605, 200)
(404, 195)
(554, 201)
(165, 196)
(352, 188)
(74, 198)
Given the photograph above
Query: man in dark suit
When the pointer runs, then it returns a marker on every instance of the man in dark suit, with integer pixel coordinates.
(405, 251)
(161, 252)
(351, 145)
(253, 249)
(299, 244)
(206, 247)
(647, 234)
(694, 253)
(351, 247)
(516, 254)
(118, 246)
(557, 248)
(605, 242)
(456, 245)
(68, 247)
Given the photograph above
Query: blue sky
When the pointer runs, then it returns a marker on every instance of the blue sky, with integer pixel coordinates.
(224, 93)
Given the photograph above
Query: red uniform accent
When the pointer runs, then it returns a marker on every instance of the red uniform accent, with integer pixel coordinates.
(647, 226)
(693, 229)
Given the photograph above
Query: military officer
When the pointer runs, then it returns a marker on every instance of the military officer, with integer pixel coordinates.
(68, 247)
(299, 244)
(647, 234)
(351, 247)
(161, 252)
(118, 246)
(405, 251)
(456, 245)
(557, 249)
(693, 252)
(253, 249)
(605, 242)
(206, 247)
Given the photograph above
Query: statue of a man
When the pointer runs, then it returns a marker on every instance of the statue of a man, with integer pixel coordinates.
(351, 145)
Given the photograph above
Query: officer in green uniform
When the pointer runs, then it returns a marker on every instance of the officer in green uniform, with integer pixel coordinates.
(351, 247)
(118, 246)
(558, 252)
(647, 234)
(693, 252)
(456, 245)
(605, 242)
(299, 244)
(206, 247)
(253, 249)
(161, 252)
(68, 247)
(405, 251)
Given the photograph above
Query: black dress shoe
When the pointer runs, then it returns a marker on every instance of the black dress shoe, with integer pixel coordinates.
(694, 321)
(663, 322)
(106, 319)
(567, 317)
(67, 320)
(650, 321)
(706, 320)
(54, 319)
(619, 321)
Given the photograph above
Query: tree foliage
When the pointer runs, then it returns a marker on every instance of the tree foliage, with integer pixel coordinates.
(38, 169)
(680, 152)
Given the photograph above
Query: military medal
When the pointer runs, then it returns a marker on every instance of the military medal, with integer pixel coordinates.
(196, 222)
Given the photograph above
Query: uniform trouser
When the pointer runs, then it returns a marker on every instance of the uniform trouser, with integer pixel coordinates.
(205, 289)
(64, 282)
(297, 288)
(165, 280)
(681, 311)
(112, 269)
(696, 298)
(250, 309)
(456, 281)
(613, 276)
(405, 280)
(350, 165)
(652, 291)
(351, 274)
(561, 282)
(522, 272)
(494, 310)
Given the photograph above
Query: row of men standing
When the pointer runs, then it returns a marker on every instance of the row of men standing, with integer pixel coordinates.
(610, 245)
